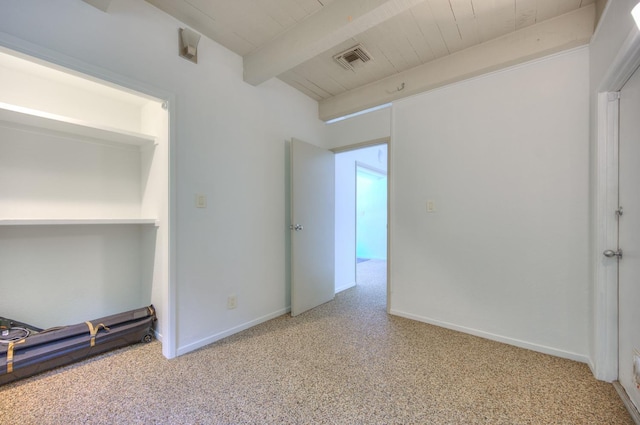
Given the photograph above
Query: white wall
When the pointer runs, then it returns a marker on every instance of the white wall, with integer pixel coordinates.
(24, 84)
(505, 157)
(63, 275)
(229, 145)
(608, 38)
(371, 213)
(345, 227)
(373, 125)
(345, 223)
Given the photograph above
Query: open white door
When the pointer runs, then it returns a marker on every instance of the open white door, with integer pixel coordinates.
(312, 226)
(629, 240)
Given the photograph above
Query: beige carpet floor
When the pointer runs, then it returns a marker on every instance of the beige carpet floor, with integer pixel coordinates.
(346, 362)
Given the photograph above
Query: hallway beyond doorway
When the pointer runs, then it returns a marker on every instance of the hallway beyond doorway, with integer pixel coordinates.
(371, 273)
(361, 202)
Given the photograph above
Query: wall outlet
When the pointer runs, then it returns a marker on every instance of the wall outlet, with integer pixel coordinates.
(232, 301)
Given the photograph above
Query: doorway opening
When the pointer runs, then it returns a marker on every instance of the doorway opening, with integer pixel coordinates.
(361, 234)
(615, 347)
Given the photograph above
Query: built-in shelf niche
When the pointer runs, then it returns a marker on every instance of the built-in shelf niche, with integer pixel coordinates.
(71, 222)
(83, 198)
(46, 176)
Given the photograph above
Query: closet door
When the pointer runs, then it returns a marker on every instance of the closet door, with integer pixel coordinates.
(629, 240)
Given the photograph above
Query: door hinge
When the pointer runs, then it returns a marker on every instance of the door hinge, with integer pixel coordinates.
(614, 95)
(619, 212)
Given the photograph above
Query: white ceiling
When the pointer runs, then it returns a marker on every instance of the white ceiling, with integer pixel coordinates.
(415, 44)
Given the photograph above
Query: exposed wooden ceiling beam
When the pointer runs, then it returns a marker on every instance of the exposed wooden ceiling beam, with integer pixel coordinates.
(564, 32)
(328, 27)
(100, 4)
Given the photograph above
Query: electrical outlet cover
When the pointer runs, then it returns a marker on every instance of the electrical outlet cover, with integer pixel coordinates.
(232, 302)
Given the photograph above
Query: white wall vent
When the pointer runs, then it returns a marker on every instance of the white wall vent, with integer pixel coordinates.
(352, 57)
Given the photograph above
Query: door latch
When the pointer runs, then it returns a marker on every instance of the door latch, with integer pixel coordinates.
(296, 227)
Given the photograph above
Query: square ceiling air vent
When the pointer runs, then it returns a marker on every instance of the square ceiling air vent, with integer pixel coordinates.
(352, 57)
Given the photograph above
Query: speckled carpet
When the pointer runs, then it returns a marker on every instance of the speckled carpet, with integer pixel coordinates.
(345, 362)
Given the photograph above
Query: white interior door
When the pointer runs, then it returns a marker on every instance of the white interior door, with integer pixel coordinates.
(629, 239)
(312, 220)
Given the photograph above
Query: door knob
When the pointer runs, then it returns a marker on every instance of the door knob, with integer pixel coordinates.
(296, 227)
(610, 253)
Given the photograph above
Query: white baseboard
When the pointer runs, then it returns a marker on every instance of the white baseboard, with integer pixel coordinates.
(346, 286)
(631, 408)
(592, 367)
(213, 338)
(499, 338)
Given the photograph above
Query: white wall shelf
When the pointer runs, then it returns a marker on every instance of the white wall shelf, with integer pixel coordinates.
(67, 222)
(18, 116)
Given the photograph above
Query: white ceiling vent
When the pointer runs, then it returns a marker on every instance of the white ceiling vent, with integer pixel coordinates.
(352, 57)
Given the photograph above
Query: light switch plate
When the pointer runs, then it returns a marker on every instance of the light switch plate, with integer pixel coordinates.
(201, 201)
(431, 206)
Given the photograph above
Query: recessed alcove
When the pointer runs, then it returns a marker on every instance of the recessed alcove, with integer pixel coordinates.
(83, 196)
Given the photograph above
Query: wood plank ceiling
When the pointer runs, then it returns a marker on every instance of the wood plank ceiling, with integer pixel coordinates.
(295, 40)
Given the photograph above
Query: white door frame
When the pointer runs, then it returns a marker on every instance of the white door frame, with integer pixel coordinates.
(605, 355)
(375, 142)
